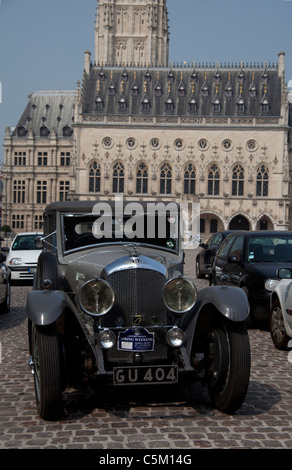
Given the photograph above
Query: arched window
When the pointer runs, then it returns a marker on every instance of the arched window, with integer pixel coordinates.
(190, 179)
(213, 180)
(118, 177)
(94, 177)
(237, 180)
(142, 179)
(262, 181)
(165, 179)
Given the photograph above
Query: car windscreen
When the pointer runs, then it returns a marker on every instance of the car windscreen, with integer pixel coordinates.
(277, 249)
(24, 242)
(86, 230)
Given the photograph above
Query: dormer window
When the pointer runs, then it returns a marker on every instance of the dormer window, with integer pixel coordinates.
(98, 104)
(169, 106)
(158, 89)
(192, 105)
(112, 89)
(145, 105)
(122, 105)
(44, 131)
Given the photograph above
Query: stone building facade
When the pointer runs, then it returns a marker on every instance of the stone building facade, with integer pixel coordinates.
(136, 125)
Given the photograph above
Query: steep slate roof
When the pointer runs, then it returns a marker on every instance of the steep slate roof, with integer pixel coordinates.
(47, 112)
(179, 86)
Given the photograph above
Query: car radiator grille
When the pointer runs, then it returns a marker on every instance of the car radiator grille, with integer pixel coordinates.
(138, 302)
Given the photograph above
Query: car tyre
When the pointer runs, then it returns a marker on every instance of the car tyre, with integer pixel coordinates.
(48, 369)
(5, 305)
(228, 365)
(277, 326)
(47, 269)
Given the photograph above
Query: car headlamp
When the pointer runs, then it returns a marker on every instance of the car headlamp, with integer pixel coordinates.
(107, 339)
(179, 295)
(15, 261)
(271, 284)
(175, 337)
(96, 297)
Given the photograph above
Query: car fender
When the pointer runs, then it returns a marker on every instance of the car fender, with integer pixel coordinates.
(46, 306)
(282, 291)
(230, 302)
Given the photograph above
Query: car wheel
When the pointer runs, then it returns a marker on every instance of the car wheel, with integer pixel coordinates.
(277, 326)
(47, 369)
(5, 305)
(228, 365)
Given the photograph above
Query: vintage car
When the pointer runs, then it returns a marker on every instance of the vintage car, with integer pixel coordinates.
(110, 302)
(281, 310)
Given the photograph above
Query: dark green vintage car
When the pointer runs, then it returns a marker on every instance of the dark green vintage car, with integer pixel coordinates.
(110, 301)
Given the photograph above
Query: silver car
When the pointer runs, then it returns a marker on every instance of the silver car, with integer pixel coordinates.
(110, 301)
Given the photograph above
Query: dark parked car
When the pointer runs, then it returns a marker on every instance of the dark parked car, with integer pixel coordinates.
(110, 302)
(5, 277)
(208, 252)
(251, 260)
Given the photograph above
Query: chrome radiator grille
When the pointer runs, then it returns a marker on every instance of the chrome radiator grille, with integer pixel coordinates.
(138, 302)
(138, 293)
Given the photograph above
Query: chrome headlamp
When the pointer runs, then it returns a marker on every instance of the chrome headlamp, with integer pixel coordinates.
(96, 297)
(179, 295)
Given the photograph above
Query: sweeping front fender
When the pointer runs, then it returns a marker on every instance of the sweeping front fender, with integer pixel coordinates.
(45, 307)
(230, 302)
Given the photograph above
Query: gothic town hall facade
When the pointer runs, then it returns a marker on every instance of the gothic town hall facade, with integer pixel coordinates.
(141, 126)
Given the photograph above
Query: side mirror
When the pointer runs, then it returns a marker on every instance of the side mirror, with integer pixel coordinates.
(232, 259)
(285, 273)
(39, 242)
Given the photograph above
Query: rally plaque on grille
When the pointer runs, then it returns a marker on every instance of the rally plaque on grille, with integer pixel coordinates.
(145, 375)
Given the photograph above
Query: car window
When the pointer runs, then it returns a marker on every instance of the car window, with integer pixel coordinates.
(217, 239)
(224, 249)
(237, 248)
(24, 242)
(270, 249)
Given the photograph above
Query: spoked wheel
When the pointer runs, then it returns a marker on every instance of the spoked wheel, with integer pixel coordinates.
(228, 365)
(277, 326)
(48, 370)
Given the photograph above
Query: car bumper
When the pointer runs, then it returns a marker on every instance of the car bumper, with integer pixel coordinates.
(22, 273)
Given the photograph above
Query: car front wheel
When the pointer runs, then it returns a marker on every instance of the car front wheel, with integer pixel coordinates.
(228, 365)
(48, 370)
(277, 326)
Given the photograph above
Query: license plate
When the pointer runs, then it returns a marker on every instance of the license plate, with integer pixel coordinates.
(145, 375)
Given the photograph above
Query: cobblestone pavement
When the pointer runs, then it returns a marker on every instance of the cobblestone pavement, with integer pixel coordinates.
(167, 418)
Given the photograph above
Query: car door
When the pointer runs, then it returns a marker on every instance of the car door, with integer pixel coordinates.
(220, 262)
(210, 251)
(234, 267)
(2, 277)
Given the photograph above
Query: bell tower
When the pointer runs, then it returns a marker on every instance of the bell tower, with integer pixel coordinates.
(132, 33)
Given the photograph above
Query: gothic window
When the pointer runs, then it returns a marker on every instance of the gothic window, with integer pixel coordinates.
(42, 158)
(19, 158)
(237, 180)
(190, 179)
(41, 194)
(165, 179)
(214, 180)
(64, 187)
(118, 177)
(142, 179)
(262, 188)
(65, 159)
(94, 177)
(17, 221)
(19, 192)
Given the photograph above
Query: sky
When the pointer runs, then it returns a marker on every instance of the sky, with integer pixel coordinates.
(42, 42)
